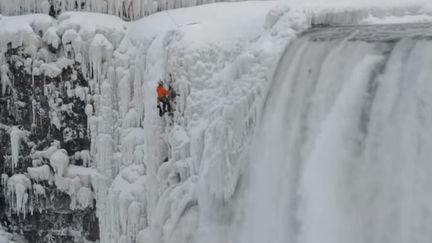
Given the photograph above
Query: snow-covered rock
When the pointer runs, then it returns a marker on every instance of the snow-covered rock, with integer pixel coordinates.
(59, 160)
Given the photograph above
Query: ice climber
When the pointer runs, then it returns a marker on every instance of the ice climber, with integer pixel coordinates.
(163, 103)
(172, 94)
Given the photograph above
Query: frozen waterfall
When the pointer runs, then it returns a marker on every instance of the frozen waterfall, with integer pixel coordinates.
(343, 152)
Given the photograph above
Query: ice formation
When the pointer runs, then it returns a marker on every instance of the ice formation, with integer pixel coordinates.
(40, 173)
(79, 182)
(16, 135)
(17, 192)
(165, 180)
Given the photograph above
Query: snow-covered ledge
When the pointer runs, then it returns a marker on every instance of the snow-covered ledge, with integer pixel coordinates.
(126, 9)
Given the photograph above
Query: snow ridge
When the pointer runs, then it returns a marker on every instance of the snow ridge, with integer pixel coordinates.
(125, 9)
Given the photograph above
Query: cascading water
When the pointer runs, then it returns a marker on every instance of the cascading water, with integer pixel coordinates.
(343, 152)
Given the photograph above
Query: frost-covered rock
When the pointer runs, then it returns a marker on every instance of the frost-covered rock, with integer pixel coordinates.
(41, 173)
(51, 38)
(44, 94)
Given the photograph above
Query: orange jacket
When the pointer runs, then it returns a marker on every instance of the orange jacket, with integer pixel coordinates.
(161, 91)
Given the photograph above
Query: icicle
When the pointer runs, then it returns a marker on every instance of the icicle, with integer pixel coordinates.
(92, 130)
(104, 148)
(85, 197)
(39, 190)
(138, 96)
(125, 199)
(34, 102)
(124, 94)
(39, 193)
(17, 186)
(134, 215)
(16, 135)
(4, 78)
(100, 51)
(131, 119)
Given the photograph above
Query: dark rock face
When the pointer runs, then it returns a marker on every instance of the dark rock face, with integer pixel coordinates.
(28, 103)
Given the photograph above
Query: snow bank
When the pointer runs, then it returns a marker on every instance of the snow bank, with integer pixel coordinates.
(109, 26)
(19, 30)
(126, 9)
(196, 21)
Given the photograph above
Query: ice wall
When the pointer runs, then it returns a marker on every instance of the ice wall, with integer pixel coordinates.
(179, 173)
(341, 153)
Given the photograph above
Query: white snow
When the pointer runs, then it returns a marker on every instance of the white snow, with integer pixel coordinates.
(42, 173)
(18, 30)
(88, 176)
(51, 70)
(111, 27)
(128, 9)
(51, 38)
